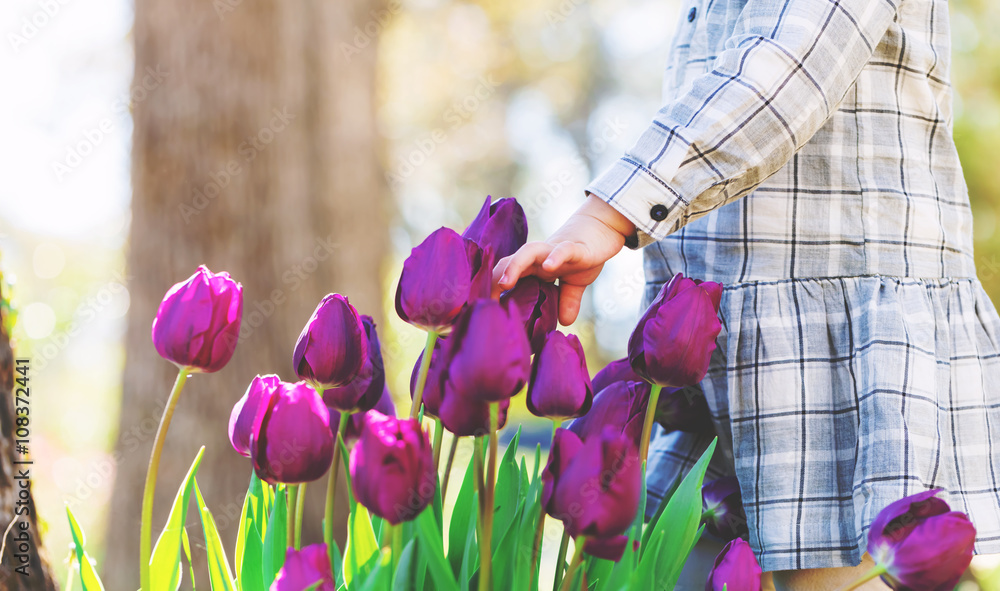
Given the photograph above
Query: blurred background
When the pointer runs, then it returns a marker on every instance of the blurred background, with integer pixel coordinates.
(305, 147)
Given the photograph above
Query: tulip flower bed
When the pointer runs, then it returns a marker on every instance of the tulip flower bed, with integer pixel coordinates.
(479, 353)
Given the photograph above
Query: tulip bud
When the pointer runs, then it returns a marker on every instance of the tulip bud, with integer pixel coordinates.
(608, 548)
(305, 568)
(560, 383)
(291, 441)
(723, 508)
(488, 357)
(597, 493)
(536, 303)
(500, 225)
(683, 409)
(673, 342)
(621, 405)
(241, 419)
(443, 274)
(565, 446)
(616, 371)
(198, 323)
(464, 416)
(432, 386)
(735, 569)
(922, 543)
(392, 468)
(363, 392)
(333, 346)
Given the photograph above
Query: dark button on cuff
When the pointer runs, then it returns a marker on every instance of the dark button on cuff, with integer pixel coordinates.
(658, 212)
(693, 13)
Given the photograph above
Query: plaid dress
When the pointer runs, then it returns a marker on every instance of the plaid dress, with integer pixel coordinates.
(804, 159)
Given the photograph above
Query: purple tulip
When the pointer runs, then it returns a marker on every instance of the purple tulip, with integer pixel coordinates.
(356, 420)
(565, 446)
(735, 569)
(392, 468)
(197, 324)
(608, 548)
(291, 441)
(597, 492)
(500, 225)
(683, 409)
(673, 341)
(922, 543)
(621, 405)
(616, 371)
(464, 416)
(241, 419)
(560, 383)
(363, 392)
(443, 274)
(304, 568)
(537, 305)
(488, 357)
(723, 508)
(333, 347)
(432, 387)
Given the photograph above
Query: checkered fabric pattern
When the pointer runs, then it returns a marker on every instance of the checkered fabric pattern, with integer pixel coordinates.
(804, 159)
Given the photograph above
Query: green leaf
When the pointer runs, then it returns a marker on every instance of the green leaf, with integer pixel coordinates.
(402, 582)
(432, 548)
(249, 543)
(165, 564)
(507, 554)
(462, 520)
(361, 545)
(380, 576)
(659, 511)
(220, 576)
(275, 539)
(675, 531)
(88, 578)
(470, 558)
(506, 493)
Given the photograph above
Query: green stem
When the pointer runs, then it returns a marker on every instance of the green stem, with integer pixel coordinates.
(536, 545)
(556, 423)
(576, 562)
(561, 561)
(447, 467)
(145, 539)
(484, 544)
(300, 504)
(425, 364)
(486, 560)
(69, 572)
(438, 438)
(878, 570)
(331, 482)
(647, 424)
(291, 498)
(397, 545)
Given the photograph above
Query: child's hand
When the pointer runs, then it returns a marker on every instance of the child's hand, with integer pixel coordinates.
(574, 254)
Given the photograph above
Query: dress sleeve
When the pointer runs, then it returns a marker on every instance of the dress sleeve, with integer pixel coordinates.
(780, 76)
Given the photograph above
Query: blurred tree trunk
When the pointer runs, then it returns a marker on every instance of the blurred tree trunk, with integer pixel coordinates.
(254, 152)
(39, 574)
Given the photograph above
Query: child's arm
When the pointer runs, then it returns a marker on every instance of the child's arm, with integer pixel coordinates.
(575, 254)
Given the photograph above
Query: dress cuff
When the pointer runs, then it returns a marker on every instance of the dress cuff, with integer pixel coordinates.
(646, 200)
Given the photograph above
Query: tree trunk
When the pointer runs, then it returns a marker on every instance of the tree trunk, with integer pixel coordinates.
(254, 152)
(24, 546)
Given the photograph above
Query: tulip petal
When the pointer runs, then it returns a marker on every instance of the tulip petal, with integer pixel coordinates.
(560, 385)
(736, 569)
(679, 340)
(436, 281)
(292, 441)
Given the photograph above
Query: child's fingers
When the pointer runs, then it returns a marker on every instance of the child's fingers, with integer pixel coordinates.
(570, 297)
(565, 253)
(522, 261)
